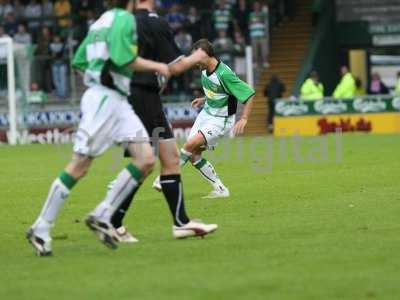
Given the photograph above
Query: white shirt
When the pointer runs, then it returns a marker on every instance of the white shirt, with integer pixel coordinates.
(33, 11)
(5, 9)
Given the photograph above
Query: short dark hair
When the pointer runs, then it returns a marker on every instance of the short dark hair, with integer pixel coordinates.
(206, 46)
(118, 3)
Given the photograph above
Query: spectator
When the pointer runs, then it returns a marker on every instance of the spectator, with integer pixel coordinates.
(167, 4)
(19, 9)
(360, 90)
(22, 36)
(274, 90)
(158, 4)
(312, 88)
(242, 13)
(239, 44)
(33, 11)
(43, 60)
(59, 67)
(347, 85)
(277, 12)
(230, 4)
(84, 6)
(290, 8)
(224, 47)
(3, 63)
(194, 23)
(36, 95)
(316, 9)
(48, 12)
(222, 17)
(239, 51)
(184, 41)
(377, 87)
(175, 18)
(85, 11)
(5, 8)
(3, 32)
(10, 24)
(258, 25)
(62, 10)
(90, 19)
(397, 88)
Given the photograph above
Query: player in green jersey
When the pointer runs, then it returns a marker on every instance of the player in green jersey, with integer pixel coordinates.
(107, 56)
(223, 89)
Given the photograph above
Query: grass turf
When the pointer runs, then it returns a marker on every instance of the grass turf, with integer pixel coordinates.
(306, 226)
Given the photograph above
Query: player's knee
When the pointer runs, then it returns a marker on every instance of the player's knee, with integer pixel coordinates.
(171, 163)
(78, 167)
(190, 146)
(148, 163)
(78, 171)
(82, 173)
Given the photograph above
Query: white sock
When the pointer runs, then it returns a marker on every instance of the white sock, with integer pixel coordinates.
(57, 195)
(184, 157)
(208, 172)
(123, 186)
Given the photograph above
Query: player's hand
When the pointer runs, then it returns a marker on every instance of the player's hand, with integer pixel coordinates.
(239, 127)
(163, 70)
(198, 102)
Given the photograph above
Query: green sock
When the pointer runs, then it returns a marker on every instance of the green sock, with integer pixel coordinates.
(67, 180)
(185, 156)
(135, 172)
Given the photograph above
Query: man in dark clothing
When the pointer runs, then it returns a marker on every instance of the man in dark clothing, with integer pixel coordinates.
(273, 90)
(156, 42)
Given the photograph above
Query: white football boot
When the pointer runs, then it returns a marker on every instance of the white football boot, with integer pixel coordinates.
(123, 236)
(40, 244)
(219, 192)
(193, 228)
(157, 184)
(105, 231)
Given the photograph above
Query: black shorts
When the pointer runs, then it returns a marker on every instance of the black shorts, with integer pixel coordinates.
(147, 105)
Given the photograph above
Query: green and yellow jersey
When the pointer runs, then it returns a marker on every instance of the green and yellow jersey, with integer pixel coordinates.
(222, 89)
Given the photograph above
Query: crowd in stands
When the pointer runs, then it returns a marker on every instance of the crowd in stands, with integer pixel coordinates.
(313, 89)
(53, 29)
(45, 28)
(349, 86)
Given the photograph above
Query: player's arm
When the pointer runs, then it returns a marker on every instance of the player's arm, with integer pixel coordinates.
(170, 53)
(241, 124)
(244, 93)
(144, 65)
(198, 102)
(186, 62)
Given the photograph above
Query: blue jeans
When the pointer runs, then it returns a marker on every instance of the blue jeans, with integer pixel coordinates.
(59, 72)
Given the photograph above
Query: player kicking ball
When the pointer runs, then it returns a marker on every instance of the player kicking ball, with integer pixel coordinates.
(222, 89)
(107, 56)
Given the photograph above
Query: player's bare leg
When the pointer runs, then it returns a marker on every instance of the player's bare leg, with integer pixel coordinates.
(126, 185)
(172, 188)
(169, 160)
(39, 233)
(192, 150)
(170, 170)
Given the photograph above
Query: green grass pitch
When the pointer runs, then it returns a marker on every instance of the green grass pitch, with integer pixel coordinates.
(321, 222)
